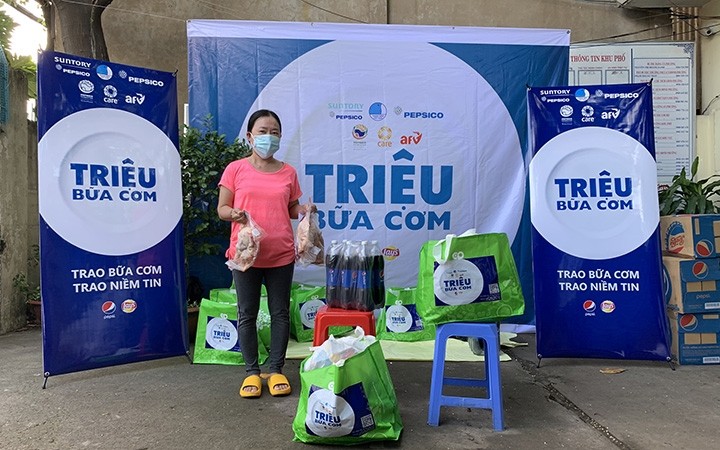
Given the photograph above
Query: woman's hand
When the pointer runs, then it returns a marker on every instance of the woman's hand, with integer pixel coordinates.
(238, 215)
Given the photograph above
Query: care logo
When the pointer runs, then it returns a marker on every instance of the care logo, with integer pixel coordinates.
(587, 111)
(385, 133)
(110, 91)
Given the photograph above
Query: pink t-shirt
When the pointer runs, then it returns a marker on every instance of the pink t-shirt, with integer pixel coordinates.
(266, 197)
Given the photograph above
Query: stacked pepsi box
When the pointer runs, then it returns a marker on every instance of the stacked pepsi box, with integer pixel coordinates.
(691, 262)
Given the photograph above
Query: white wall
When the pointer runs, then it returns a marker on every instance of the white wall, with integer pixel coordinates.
(708, 124)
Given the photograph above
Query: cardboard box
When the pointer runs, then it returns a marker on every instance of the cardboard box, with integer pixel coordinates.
(695, 338)
(692, 285)
(691, 235)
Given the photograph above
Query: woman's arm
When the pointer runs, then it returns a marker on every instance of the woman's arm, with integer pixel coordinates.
(296, 209)
(224, 209)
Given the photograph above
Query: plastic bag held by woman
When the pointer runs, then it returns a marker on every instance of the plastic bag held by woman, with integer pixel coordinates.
(248, 244)
(309, 243)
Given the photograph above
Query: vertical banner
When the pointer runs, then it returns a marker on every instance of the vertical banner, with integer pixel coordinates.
(110, 200)
(595, 223)
(399, 134)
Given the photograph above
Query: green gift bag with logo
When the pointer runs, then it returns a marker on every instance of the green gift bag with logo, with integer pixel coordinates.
(217, 341)
(348, 404)
(468, 278)
(305, 300)
(400, 319)
(228, 296)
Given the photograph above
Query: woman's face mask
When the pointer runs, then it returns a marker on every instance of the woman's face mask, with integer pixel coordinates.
(266, 145)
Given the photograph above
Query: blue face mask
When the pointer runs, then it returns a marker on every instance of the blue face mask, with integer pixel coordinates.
(266, 145)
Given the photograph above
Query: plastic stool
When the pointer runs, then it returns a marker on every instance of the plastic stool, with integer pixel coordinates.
(487, 332)
(328, 317)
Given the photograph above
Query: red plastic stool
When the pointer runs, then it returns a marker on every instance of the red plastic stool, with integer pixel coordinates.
(329, 317)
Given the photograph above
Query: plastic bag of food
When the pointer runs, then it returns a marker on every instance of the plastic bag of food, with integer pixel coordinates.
(248, 244)
(309, 243)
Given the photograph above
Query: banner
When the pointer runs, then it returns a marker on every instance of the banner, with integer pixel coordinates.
(400, 134)
(595, 220)
(110, 200)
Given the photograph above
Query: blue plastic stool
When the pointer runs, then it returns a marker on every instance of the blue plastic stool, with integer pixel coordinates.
(488, 332)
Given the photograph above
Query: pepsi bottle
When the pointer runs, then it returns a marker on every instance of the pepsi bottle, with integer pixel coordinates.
(332, 272)
(378, 274)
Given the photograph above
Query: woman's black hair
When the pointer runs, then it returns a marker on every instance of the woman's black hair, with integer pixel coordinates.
(262, 113)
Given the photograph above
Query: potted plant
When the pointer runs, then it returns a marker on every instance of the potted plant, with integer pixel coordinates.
(204, 154)
(29, 289)
(689, 196)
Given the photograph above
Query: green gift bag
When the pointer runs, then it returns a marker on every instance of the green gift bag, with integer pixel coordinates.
(304, 302)
(400, 319)
(468, 278)
(348, 404)
(216, 341)
(228, 296)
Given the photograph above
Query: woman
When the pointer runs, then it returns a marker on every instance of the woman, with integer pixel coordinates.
(269, 191)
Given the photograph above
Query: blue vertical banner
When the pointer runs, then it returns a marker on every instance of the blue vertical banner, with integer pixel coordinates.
(110, 200)
(597, 266)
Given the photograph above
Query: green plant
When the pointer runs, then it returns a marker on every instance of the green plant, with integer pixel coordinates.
(204, 154)
(30, 291)
(689, 196)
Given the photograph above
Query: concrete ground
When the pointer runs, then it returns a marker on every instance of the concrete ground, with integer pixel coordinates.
(170, 403)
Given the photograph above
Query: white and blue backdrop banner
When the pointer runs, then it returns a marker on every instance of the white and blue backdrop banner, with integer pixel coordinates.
(400, 134)
(110, 199)
(595, 222)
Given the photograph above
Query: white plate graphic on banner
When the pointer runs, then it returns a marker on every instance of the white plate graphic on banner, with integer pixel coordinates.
(593, 193)
(458, 282)
(387, 128)
(109, 181)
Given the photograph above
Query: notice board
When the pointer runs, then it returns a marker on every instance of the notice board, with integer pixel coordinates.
(671, 66)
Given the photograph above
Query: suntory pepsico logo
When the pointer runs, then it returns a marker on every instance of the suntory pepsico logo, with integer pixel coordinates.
(128, 306)
(607, 306)
(704, 248)
(589, 306)
(390, 253)
(700, 269)
(675, 237)
(688, 322)
(108, 307)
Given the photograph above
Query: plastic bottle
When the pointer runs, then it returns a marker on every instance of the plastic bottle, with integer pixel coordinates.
(378, 274)
(346, 276)
(364, 293)
(332, 271)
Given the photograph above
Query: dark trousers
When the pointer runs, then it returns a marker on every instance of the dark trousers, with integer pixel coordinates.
(278, 281)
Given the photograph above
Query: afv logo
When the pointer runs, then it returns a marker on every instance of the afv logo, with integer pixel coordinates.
(135, 99)
(614, 113)
(414, 138)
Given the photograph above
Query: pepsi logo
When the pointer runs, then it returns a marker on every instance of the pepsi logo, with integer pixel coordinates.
(675, 237)
(589, 305)
(700, 269)
(128, 306)
(108, 307)
(704, 248)
(607, 306)
(688, 322)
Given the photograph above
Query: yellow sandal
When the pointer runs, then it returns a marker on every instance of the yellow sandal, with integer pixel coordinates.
(275, 380)
(251, 381)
